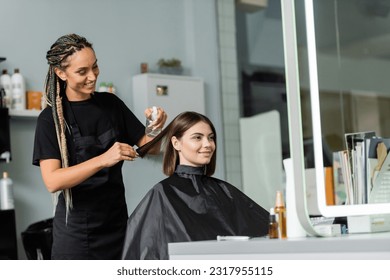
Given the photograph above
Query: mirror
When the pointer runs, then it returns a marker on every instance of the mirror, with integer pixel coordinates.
(349, 90)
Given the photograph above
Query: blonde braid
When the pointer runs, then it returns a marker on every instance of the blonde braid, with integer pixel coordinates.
(63, 147)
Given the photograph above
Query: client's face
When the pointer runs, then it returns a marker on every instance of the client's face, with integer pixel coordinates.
(197, 145)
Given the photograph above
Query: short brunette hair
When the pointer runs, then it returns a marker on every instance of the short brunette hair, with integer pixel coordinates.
(177, 127)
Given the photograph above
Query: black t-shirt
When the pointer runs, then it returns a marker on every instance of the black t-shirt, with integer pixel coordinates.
(94, 116)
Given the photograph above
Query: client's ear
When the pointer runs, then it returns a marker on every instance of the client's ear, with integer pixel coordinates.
(175, 143)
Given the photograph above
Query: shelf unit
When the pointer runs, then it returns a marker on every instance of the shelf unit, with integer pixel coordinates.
(24, 113)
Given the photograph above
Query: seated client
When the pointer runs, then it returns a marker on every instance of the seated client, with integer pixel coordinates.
(189, 205)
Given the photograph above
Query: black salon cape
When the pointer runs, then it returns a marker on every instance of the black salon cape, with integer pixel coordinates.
(190, 206)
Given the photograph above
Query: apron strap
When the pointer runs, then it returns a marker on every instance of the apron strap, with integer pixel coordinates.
(74, 128)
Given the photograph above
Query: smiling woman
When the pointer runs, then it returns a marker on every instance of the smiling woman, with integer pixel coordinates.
(82, 139)
(189, 205)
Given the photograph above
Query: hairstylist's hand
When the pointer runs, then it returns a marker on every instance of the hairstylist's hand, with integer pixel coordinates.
(161, 117)
(118, 152)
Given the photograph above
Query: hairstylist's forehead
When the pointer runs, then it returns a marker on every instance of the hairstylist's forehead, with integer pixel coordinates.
(82, 58)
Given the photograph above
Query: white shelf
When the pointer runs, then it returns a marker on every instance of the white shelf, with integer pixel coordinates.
(24, 113)
(167, 91)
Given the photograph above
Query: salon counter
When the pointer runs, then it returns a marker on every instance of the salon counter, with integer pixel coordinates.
(352, 246)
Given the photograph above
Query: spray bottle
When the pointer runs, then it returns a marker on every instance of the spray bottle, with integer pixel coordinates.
(273, 228)
(150, 131)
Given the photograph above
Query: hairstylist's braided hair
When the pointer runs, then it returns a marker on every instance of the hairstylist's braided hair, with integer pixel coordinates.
(56, 57)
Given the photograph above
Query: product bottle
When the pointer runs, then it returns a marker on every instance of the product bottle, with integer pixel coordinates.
(273, 230)
(280, 211)
(18, 90)
(6, 193)
(5, 82)
(144, 67)
(149, 131)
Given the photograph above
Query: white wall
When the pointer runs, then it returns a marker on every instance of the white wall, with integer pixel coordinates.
(124, 34)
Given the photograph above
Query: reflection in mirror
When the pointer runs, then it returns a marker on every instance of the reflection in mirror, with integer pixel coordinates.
(349, 94)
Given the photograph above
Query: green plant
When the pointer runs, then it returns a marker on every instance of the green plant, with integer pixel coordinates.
(174, 62)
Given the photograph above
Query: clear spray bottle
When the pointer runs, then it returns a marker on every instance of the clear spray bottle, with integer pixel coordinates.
(150, 130)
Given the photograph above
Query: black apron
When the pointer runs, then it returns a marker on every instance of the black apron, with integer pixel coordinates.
(95, 227)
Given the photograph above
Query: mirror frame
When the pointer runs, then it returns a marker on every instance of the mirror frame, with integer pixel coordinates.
(297, 179)
(327, 210)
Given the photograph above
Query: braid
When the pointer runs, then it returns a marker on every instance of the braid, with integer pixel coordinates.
(63, 146)
(57, 56)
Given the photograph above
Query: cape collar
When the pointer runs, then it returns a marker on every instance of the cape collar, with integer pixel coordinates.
(186, 169)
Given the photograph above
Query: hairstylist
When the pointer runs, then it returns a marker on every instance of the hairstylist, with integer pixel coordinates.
(81, 141)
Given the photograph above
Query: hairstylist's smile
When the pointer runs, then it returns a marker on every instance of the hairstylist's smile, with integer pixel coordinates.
(90, 84)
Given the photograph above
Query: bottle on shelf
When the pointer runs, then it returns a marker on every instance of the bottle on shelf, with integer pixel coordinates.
(18, 90)
(5, 83)
(280, 211)
(273, 228)
(6, 193)
(144, 67)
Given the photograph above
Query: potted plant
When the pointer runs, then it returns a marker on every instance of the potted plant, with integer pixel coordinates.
(170, 66)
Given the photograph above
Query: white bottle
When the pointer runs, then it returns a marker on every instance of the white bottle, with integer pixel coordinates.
(6, 193)
(18, 91)
(149, 131)
(5, 82)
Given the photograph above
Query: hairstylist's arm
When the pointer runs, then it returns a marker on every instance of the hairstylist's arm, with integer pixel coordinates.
(57, 178)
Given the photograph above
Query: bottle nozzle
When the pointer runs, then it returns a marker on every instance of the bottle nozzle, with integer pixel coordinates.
(279, 199)
(154, 113)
